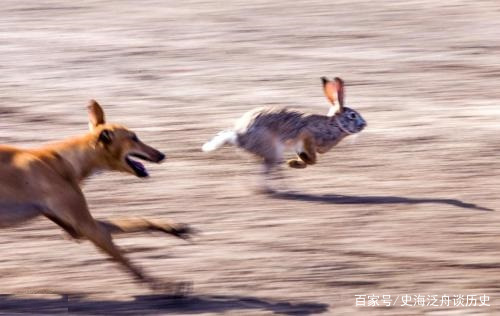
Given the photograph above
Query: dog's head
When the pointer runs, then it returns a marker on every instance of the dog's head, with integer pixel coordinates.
(118, 145)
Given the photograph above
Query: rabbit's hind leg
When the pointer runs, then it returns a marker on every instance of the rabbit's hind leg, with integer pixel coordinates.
(264, 144)
(270, 173)
(272, 159)
(272, 154)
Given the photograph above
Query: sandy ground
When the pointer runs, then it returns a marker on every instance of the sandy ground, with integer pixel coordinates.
(409, 206)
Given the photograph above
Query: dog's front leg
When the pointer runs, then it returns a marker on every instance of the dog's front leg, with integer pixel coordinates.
(132, 225)
(69, 210)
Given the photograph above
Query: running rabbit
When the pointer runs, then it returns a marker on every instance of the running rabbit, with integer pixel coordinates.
(267, 132)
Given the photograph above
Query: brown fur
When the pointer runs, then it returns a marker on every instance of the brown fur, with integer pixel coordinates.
(46, 181)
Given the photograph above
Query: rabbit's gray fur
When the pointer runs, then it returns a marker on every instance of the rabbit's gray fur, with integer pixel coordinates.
(267, 132)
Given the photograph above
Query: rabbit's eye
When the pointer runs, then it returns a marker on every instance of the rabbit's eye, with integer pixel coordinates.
(352, 116)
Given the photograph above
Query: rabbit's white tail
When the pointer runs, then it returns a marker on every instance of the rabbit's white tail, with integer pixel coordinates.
(219, 140)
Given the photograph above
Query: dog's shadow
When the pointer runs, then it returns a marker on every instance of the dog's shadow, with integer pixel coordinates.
(154, 305)
(371, 199)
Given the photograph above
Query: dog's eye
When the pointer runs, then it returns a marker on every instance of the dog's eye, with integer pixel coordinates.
(352, 116)
(134, 138)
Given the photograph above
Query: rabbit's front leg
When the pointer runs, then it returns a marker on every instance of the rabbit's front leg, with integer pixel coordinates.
(307, 156)
(296, 163)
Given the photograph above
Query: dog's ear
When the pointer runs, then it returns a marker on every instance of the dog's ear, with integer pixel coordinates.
(96, 114)
(106, 136)
(334, 92)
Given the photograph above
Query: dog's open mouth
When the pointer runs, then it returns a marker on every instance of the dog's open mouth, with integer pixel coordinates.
(138, 167)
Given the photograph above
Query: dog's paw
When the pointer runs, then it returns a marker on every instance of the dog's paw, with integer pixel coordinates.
(182, 230)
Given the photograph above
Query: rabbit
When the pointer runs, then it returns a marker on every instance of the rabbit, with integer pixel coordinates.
(268, 132)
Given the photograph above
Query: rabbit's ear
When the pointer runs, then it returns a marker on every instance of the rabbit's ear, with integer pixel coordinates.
(334, 91)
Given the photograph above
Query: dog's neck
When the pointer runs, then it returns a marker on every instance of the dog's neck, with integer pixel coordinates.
(80, 154)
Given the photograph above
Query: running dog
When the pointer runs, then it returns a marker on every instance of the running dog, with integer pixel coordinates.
(46, 182)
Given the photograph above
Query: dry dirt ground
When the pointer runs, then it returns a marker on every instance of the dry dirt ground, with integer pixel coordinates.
(410, 206)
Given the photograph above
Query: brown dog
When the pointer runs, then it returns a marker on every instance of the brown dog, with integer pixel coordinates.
(46, 181)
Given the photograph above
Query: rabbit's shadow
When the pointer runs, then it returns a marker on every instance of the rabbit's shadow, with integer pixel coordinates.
(371, 199)
(156, 304)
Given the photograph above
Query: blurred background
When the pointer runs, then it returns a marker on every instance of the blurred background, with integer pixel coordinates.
(407, 207)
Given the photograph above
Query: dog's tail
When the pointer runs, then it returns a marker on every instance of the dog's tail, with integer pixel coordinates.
(219, 140)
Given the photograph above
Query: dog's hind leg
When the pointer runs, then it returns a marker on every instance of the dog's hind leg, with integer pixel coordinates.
(143, 225)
